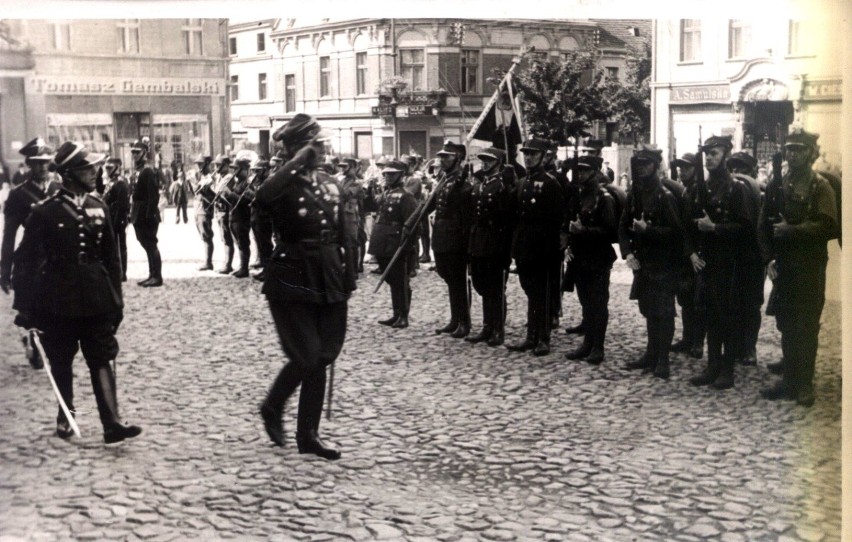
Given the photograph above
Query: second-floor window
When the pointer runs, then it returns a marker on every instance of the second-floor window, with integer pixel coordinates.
(797, 39)
(128, 36)
(739, 38)
(193, 37)
(411, 64)
(261, 86)
(469, 70)
(289, 93)
(261, 42)
(360, 73)
(232, 46)
(60, 36)
(690, 40)
(325, 75)
(234, 88)
(612, 72)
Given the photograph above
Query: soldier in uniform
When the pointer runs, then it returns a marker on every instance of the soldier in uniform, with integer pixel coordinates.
(117, 198)
(491, 244)
(540, 202)
(726, 230)
(352, 195)
(798, 219)
(34, 188)
(261, 222)
(450, 232)
(238, 198)
(222, 210)
(591, 233)
(396, 209)
(307, 282)
(413, 183)
(145, 212)
(689, 295)
(650, 235)
(204, 196)
(68, 285)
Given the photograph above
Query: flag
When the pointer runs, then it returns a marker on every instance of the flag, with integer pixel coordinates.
(500, 122)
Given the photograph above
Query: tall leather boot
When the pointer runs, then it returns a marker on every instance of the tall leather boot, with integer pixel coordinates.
(405, 304)
(243, 270)
(714, 364)
(395, 302)
(229, 255)
(208, 263)
(157, 270)
(664, 338)
(148, 255)
(499, 321)
(487, 321)
(310, 412)
(103, 384)
(463, 310)
(65, 383)
(272, 407)
(454, 316)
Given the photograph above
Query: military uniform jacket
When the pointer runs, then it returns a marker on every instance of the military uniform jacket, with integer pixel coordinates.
(204, 195)
(658, 248)
(596, 212)
(15, 212)
(307, 265)
(68, 264)
(395, 209)
(352, 195)
(730, 207)
(239, 198)
(540, 202)
(492, 219)
(117, 199)
(451, 203)
(146, 198)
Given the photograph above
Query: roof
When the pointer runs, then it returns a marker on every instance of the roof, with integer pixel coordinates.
(616, 33)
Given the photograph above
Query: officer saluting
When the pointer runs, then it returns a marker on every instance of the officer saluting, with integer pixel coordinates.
(68, 285)
(307, 284)
(491, 244)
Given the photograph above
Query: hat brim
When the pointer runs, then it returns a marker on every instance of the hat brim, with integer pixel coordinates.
(682, 163)
(487, 156)
(531, 149)
(446, 153)
(92, 159)
(391, 170)
(41, 157)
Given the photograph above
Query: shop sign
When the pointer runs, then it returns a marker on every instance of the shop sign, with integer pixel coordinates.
(413, 111)
(701, 94)
(118, 86)
(383, 110)
(256, 121)
(824, 90)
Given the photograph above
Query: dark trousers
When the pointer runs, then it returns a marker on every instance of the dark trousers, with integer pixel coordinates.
(62, 339)
(689, 297)
(452, 267)
(555, 289)
(593, 291)
(311, 336)
(660, 335)
(725, 315)
(204, 225)
(753, 278)
(800, 300)
(398, 280)
(180, 206)
(425, 238)
(241, 230)
(489, 280)
(261, 226)
(535, 280)
(146, 234)
(121, 241)
(224, 221)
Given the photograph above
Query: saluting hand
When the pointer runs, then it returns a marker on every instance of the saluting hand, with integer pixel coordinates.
(632, 262)
(705, 224)
(639, 226)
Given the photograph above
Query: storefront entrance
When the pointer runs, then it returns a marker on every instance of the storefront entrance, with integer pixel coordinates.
(765, 125)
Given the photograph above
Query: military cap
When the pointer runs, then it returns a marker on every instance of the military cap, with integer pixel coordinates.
(205, 159)
(455, 149)
(350, 161)
(648, 152)
(245, 156)
(37, 149)
(552, 147)
(113, 161)
(535, 145)
(596, 144)
(300, 129)
(743, 158)
(72, 155)
(328, 167)
(260, 164)
(687, 160)
(588, 161)
(718, 141)
(140, 144)
(394, 166)
(802, 138)
(493, 153)
(275, 158)
(222, 159)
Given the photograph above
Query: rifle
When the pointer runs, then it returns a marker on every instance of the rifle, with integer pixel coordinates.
(418, 214)
(700, 182)
(248, 187)
(230, 178)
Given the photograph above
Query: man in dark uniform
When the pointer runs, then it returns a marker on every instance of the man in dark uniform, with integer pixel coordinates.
(450, 233)
(726, 230)
(413, 183)
(650, 236)
(204, 196)
(117, 198)
(237, 196)
(798, 219)
(261, 222)
(15, 212)
(145, 212)
(591, 232)
(352, 195)
(690, 287)
(222, 210)
(396, 208)
(68, 285)
(540, 202)
(491, 244)
(555, 274)
(307, 283)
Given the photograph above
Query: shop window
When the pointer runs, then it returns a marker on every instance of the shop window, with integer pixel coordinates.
(60, 35)
(739, 38)
(234, 88)
(360, 73)
(261, 86)
(325, 75)
(93, 130)
(232, 46)
(193, 37)
(261, 42)
(128, 36)
(289, 93)
(690, 40)
(411, 65)
(469, 71)
(181, 138)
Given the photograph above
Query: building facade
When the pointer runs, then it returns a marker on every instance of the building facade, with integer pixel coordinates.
(106, 83)
(391, 86)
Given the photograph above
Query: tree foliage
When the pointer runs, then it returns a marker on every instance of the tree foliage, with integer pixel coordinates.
(630, 99)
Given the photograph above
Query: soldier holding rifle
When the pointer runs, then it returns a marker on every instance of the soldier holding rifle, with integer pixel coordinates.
(204, 196)
(224, 178)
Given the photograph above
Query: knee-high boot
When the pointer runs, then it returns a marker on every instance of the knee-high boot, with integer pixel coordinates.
(103, 384)
(714, 362)
(65, 382)
(311, 399)
(272, 407)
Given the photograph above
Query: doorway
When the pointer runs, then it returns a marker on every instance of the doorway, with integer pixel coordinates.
(765, 126)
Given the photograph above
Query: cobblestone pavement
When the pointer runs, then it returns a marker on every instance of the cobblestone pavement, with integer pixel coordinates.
(441, 440)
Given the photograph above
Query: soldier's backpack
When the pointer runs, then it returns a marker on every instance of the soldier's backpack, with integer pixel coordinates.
(620, 197)
(836, 184)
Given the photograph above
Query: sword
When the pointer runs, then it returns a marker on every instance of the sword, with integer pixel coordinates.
(330, 392)
(34, 339)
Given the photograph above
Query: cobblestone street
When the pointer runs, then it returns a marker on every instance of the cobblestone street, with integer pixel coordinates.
(441, 440)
